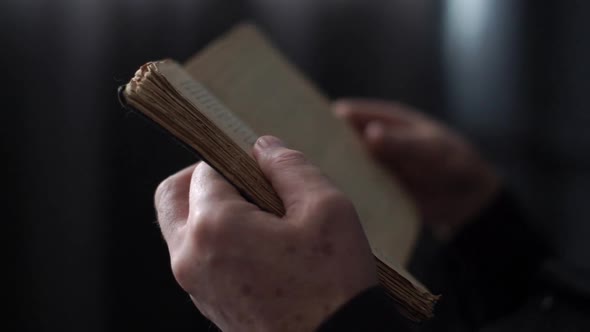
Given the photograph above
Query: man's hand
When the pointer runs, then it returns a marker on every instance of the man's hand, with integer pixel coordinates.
(449, 181)
(248, 270)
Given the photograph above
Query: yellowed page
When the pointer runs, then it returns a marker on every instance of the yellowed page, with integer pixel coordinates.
(270, 96)
(208, 104)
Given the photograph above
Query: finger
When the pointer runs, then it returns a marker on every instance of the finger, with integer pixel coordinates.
(291, 175)
(360, 112)
(386, 141)
(405, 149)
(400, 148)
(208, 187)
(171, 201)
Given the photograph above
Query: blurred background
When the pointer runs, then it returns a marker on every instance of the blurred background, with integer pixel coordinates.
(79, 173)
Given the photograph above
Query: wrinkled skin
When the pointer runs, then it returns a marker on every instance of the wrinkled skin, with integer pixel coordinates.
(248, 270)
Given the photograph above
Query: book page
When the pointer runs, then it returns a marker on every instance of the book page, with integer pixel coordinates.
(208, 104)
(267, 93)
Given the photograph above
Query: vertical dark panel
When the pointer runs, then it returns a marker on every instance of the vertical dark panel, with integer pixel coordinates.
(61, 212)
(559, 55)
(12, 141)
(142, 293)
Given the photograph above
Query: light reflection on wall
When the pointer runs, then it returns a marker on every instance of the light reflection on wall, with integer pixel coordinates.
(482, 55)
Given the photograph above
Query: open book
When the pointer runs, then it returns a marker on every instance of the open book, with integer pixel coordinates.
(239, 87)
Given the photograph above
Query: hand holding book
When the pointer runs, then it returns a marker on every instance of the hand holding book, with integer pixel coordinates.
(447, 177)
(248, 270)
(240, 86)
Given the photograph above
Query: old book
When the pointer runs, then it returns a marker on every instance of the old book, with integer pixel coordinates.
(240, 86)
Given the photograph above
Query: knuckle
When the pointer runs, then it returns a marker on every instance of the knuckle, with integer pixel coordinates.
(209, 226)
(183, 271)
(288, 157)
(163, 189)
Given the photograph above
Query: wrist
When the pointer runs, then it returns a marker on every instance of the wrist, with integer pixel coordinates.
(307, 314)
(370, 310)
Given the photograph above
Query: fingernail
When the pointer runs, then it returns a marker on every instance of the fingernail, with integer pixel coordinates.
(374, 130)
(341, 109)
(267, 142)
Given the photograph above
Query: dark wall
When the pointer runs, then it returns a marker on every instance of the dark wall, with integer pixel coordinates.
(79, 172)
(558, 113)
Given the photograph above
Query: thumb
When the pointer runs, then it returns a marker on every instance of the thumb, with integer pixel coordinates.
(389, 144)
(292, 176)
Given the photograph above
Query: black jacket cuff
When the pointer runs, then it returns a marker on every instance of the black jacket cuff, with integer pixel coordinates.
(371, 310)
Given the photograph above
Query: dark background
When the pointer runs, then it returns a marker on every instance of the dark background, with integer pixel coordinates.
(84, 252)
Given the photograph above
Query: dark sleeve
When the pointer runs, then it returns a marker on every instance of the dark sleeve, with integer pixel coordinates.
(371, 310)
(485, 272)
(488, 270)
